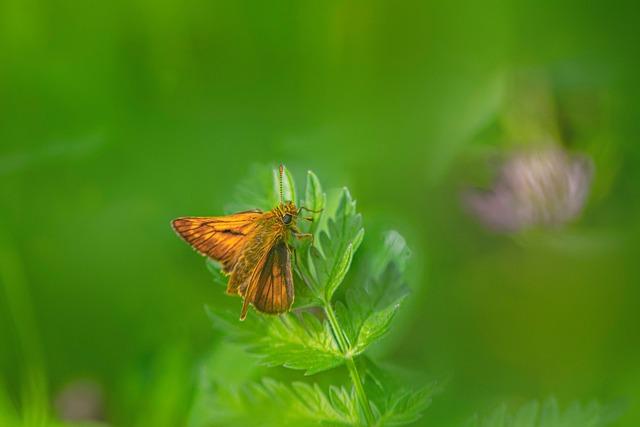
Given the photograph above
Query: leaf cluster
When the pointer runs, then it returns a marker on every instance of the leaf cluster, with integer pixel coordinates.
(548, 414)
(337, 316)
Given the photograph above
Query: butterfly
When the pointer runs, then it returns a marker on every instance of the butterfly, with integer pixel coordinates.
(253, 250)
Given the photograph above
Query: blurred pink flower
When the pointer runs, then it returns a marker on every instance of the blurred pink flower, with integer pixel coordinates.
(546, 187)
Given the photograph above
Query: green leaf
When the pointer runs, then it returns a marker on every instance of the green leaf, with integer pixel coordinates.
(296, 341)
(339, 272)
(288, 186)
(395, 404)
(257, 191)
(315, 200)
(548, 414)
(526, 415)
(405, 407)
(274, 404)
(330, 258)
(261, 190)
(373, 301)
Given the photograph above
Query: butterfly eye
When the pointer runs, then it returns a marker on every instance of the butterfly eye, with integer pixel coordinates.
(286, 219)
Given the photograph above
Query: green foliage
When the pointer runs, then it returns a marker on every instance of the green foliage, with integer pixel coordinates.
(336, 317)
(261, 190)
(10, 416)
(315, 200)
(548, 414)
(272, 403)
(370, 306)
(294, 340)
(331, 258)
(325, 264)
(405, 406)
(275, 403)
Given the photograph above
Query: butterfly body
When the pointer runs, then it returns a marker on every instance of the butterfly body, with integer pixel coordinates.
(253, 249)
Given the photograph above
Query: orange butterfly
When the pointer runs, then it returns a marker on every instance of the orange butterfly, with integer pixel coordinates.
(253, 248)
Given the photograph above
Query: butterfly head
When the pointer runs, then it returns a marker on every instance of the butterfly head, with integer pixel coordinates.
(288, 213)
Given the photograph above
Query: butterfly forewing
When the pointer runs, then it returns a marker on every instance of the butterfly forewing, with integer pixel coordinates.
(221, 238)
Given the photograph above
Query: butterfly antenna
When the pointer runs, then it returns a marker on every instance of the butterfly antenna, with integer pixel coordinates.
(281, 190)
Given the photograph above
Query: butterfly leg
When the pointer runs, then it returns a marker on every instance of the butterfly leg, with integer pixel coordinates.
(308, 210)
(304, 236)
(300, 235)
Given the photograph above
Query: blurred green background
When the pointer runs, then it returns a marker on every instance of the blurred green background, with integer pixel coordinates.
(116, 117)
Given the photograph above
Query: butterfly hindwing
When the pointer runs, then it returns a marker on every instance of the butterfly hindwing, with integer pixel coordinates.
(274, 293)
(221, 238)
(270, 286)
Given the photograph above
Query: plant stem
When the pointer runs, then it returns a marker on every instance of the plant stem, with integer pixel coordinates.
(362, 395)
(335, 326)
(351, 365)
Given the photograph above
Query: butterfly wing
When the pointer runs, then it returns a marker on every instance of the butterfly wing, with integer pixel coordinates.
(219, 237)
(274, 288)
(269, 286)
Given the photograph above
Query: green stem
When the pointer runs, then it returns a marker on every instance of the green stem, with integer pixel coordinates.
(362, 395)
(351, 365)
(335, 326)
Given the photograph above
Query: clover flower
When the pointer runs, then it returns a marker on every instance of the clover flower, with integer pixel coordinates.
(546, 187)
